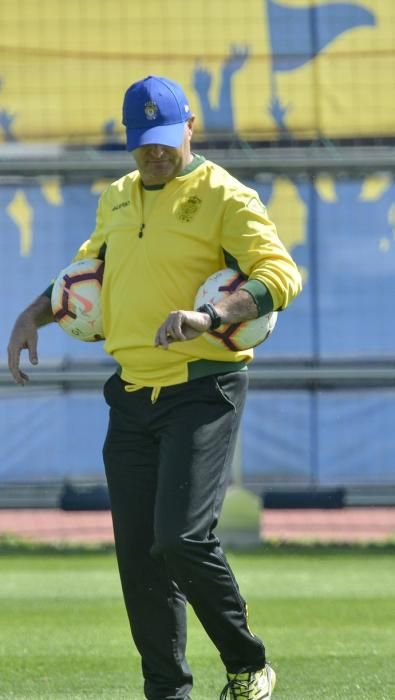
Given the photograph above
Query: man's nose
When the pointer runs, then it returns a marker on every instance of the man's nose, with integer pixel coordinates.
(157, 150)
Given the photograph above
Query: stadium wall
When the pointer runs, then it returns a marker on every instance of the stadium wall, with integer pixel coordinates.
(254, 69)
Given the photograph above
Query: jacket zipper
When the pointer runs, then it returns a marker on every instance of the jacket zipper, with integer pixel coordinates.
(141, 232)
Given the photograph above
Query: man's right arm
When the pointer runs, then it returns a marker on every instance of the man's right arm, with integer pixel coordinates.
(24, 335)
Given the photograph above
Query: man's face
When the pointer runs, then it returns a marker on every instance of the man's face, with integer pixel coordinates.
(159, 164)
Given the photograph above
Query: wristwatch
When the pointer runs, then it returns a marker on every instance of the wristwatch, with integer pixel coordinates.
(209, 309)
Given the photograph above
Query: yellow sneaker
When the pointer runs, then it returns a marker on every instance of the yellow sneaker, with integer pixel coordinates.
(256, 685)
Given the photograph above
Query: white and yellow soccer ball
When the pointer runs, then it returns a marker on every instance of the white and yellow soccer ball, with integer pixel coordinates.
(76, 300)
(234, 336)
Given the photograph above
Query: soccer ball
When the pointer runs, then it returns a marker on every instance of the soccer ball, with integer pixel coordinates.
(75, 300)
(234, 336)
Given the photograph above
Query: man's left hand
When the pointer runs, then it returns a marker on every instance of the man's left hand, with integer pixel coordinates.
(182, 325)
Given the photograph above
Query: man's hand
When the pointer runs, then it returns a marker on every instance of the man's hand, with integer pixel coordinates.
(185, 325)
(24, 336)
(182, 325)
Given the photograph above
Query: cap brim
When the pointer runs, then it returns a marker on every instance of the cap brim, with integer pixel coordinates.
(169, 135)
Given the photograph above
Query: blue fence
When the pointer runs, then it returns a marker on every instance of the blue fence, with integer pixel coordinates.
(342, 234)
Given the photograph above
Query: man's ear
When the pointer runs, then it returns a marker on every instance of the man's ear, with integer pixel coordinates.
(190, 124)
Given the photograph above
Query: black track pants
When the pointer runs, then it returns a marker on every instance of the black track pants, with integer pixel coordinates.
(167, 465)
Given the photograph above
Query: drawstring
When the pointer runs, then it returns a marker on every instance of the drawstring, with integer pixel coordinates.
(135, 387)
(155, 393)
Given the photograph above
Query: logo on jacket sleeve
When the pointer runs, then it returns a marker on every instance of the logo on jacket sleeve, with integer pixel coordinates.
(188, 208)
(151, 110)
(256, 205)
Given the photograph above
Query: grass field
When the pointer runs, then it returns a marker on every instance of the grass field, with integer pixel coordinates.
(327, 618)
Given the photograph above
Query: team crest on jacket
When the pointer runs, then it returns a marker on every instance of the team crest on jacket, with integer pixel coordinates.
(188, 208)
(151, 110)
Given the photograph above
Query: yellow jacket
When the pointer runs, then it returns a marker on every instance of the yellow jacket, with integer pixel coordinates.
(202, 221)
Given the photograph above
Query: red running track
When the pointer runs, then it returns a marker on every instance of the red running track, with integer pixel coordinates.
(343, 525)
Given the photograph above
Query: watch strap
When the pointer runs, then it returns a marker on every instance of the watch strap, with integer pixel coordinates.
(215, 318)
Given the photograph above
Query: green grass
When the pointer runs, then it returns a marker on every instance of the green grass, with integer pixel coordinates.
(327, 618)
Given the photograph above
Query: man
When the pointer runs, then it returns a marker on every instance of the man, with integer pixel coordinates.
(176, 402)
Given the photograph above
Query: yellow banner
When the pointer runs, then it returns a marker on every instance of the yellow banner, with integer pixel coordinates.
(255, 68)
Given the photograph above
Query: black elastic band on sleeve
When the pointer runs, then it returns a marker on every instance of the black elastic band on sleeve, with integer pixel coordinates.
(48, 291)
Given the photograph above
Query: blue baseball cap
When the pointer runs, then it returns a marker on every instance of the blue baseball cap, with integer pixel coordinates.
(154, 111)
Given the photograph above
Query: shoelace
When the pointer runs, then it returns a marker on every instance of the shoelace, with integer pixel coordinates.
(243, 688)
